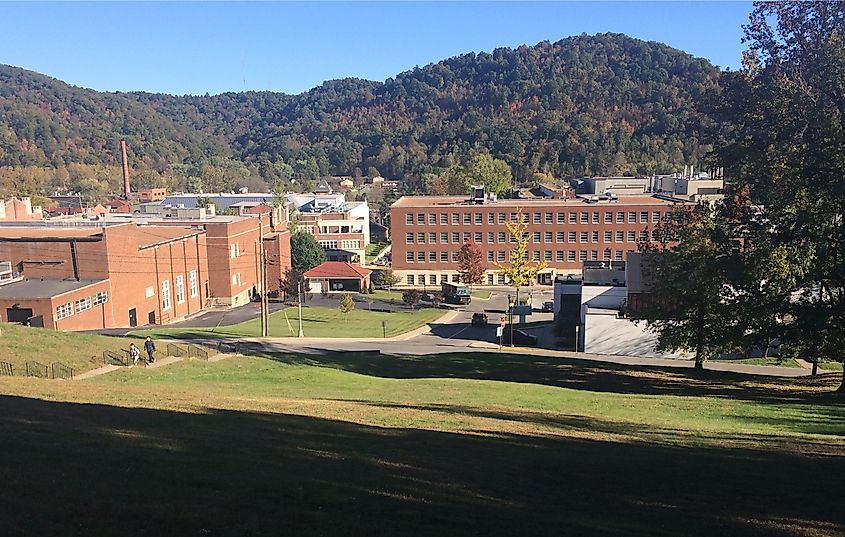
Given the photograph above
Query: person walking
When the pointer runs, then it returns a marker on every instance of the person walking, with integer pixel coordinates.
(134, 353)
(150, 347)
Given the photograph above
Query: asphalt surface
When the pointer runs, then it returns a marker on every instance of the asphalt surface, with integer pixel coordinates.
(455, 335)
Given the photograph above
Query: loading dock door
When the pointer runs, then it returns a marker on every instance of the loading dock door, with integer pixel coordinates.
(18, 315)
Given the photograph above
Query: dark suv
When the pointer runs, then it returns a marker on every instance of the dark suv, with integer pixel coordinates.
(479, 319)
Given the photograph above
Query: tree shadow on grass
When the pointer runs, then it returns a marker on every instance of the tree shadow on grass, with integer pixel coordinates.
(816, 420)
(87, 469)
(569, 373)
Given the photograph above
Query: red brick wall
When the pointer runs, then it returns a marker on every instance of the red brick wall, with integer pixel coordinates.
(595, 245)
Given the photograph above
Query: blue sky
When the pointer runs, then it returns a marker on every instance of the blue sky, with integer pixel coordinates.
(214, 47)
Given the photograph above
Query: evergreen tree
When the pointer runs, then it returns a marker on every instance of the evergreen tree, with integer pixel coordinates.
(306, 253)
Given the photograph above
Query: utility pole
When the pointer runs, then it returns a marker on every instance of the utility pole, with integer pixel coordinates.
(263, 275)
(300, 308)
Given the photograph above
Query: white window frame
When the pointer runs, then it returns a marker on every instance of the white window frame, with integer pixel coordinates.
(166, 302)
(193, 284)
(180, 289)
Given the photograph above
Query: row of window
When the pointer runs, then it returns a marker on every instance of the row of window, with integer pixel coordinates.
(66, 310)
(431, 279)
(537, 237)
(536, 255)
(573, 217)
(193, 287)
(351, 244)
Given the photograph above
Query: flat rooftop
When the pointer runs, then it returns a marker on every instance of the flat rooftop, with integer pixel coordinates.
(38, 288)
(463, 201)
(49, 231)
(153, 235)
(152, 219)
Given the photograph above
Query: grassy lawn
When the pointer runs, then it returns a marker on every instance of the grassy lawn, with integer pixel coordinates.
(387, 295)
(316, 322)
(461, 444)
(373, 249)
(830, 366)
(82, 352)
(480, 293)
(788, 362)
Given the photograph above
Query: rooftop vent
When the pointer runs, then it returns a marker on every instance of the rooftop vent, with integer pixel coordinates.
(477, 195)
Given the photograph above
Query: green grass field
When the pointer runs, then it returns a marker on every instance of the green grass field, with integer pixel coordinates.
(316, 322)
(830, 366)
(786, 362)
(461, 444)
(82, 352)
(383, 294)
(480, 293)
(373, 249)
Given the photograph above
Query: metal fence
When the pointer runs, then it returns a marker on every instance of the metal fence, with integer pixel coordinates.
(195, 351)
(176, 350)
(7, 369)
(61, 371)
(115, 358)
(34, 369)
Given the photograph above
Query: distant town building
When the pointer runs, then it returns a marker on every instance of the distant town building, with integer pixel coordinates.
(620, 186)
(341, 227)
(118, 205)
(18, 210)
(147, 195)
(221, 200)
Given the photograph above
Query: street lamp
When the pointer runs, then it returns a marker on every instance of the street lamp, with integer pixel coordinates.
(300, 309)
(510, 316)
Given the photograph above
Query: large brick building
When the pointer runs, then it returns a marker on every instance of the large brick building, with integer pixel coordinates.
(93, 275)
(234, 251)
(428, 232)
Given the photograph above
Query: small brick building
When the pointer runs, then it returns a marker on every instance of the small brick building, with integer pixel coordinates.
(337, 276)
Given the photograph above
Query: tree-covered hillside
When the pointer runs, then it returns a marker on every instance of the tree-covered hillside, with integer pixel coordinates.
(588, 104)
(45, 122)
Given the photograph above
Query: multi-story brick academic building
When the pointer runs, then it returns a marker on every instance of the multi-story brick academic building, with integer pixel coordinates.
(428, 232)
(92, 275)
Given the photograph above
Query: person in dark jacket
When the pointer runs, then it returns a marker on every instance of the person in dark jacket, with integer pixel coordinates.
(150, 347)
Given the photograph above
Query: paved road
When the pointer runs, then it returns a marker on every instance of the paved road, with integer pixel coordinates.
(458, 335)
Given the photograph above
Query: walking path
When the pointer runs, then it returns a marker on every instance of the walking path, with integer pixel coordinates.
(160, 362)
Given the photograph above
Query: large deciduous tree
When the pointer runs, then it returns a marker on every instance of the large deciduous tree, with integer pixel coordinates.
(784, 140)
(387, 278)
(689, 305)
(494, 174)
(291, 283)
(519, 270)
(471, 263)
(306, 253)
(411, 297)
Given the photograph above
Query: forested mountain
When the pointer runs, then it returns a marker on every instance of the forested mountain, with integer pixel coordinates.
(588, 104)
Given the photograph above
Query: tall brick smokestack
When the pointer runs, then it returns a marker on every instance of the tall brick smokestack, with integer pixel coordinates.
(126, 189)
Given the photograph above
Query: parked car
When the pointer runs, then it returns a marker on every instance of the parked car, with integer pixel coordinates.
(425, 296)
(521, 337)
(479, 319)
(548, 306)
